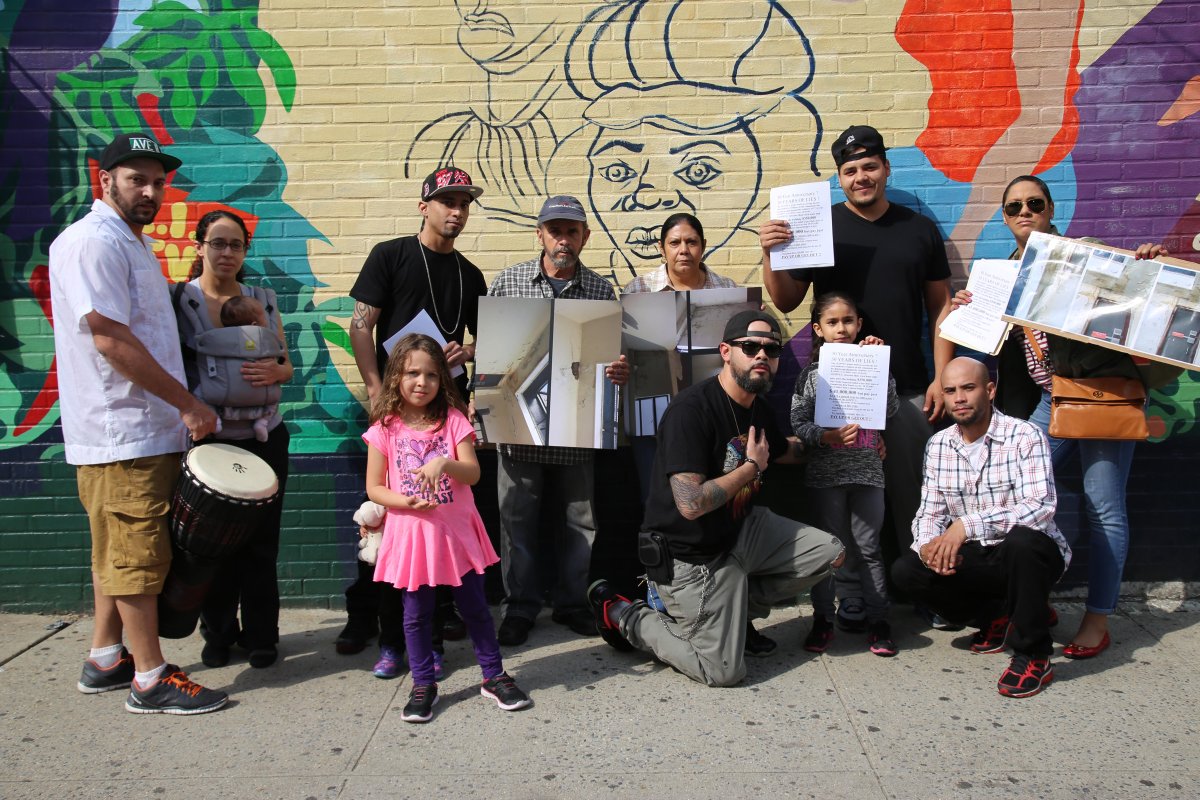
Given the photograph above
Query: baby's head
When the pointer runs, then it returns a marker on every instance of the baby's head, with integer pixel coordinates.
(243, 311)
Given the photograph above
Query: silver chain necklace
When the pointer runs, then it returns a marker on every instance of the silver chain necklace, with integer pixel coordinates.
(433, 299)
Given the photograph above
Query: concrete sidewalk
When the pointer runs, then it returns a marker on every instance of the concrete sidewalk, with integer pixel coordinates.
(926, 724)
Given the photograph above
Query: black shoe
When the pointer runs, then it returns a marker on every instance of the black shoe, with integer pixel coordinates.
(757, 645)
(579, 620)
(820, 635)
(421, 701)
(514, 631)
(851, 615)
(174, 693)
(453, 628)
(607, 607)
(95, 680)
(354, 637)
(214, 655)
(879, 640)
(262, 657)
(505, 692)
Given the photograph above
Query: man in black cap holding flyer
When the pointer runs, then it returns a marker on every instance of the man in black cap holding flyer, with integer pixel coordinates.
(892, 261)
(713, 555)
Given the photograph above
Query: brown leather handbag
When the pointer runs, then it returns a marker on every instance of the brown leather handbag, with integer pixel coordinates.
(1094, 408)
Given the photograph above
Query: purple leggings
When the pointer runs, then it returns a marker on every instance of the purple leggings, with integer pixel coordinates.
(472, 606)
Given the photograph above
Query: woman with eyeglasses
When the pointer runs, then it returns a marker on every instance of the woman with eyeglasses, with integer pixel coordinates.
(1023, 390)
(249, 578)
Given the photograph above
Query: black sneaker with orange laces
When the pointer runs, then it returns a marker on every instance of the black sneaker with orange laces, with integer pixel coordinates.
(174, 693)
(1025, 676)
(991, 637)
(96, 679)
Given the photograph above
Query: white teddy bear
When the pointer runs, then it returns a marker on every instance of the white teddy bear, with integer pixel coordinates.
(370, 523)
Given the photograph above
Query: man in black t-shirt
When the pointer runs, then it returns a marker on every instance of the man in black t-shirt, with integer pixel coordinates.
(401, 278)
(724, 557)
(892, 261)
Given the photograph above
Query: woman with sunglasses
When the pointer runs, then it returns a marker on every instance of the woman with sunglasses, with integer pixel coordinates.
(249, 578)
(1023, 390)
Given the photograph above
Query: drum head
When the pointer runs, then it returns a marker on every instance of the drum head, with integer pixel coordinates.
(232, 471)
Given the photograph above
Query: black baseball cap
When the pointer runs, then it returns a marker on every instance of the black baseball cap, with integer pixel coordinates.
(129, 146)
(561, 206)
(854, 138)
(448, 179)
(738, 324)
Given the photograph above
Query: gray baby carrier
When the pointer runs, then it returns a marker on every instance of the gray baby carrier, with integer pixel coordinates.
(213, 356)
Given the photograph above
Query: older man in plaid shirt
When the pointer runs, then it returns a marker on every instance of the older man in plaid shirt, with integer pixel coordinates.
(986, 548)
(527, 472)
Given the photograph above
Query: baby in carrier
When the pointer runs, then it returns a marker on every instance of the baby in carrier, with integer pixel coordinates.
(235, 312)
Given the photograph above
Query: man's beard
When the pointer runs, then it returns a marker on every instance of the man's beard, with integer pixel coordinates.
(135, 213)
(563, 260)
(975, 415)
(751, 383)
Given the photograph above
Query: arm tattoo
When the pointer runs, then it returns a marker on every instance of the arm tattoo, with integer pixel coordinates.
(362, 319)
(694, 496)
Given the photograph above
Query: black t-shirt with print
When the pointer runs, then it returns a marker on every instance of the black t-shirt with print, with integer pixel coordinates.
(884, 265)
(703, 431)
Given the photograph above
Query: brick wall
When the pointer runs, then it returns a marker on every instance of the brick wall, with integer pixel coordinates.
(316, 119)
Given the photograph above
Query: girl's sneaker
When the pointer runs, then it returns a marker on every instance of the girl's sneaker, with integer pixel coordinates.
(439, 670)
(390, 663)
(421, 701)
(880, 640)
(820, 636)
(505, 692)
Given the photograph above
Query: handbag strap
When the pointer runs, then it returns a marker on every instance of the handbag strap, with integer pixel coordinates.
(1031, 337)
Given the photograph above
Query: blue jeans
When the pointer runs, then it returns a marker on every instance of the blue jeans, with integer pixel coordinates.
(1105, 466)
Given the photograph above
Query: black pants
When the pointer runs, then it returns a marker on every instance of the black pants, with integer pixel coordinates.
(372, 606)
(1010, 579)
(249, 577)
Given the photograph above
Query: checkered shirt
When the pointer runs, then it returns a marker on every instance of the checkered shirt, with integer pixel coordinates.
(1014, 487)
(527, 280)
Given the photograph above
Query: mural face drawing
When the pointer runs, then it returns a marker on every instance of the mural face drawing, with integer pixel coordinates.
(640, 176)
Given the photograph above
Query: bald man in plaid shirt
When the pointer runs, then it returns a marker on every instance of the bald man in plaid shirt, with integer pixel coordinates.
(986, 549)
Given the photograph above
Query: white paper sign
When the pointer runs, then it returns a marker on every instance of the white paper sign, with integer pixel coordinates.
(978, 325)
(421, 323)
(805, 207)
(852, 386)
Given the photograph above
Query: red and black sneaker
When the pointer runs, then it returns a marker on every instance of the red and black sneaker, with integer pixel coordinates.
(991, 637)
(1025, 676)
(607, 606)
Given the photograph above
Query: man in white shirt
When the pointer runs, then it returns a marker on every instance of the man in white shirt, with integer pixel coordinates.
(126, 415)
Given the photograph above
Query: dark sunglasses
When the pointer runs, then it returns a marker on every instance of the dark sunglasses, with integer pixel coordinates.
(751, 348)
(1036, 206)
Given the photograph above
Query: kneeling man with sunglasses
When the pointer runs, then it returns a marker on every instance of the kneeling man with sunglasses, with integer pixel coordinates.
(713, 556)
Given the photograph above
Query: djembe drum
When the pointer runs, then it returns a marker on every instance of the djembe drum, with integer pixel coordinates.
(223, 495)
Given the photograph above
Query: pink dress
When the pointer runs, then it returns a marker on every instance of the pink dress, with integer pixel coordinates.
(435, 547)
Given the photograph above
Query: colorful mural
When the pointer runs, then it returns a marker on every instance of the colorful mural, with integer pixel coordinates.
(642, 107)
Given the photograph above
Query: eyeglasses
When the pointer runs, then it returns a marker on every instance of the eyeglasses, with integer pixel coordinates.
(220, 244)
(1036, 206)
(751, 348)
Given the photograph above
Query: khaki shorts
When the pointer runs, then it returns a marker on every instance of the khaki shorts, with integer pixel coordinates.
(127, 504)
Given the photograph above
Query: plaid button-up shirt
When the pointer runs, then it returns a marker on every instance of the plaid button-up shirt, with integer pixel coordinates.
(527, 280)
(1014, 485)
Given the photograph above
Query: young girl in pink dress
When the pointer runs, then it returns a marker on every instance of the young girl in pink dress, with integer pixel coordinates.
(421, 465)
